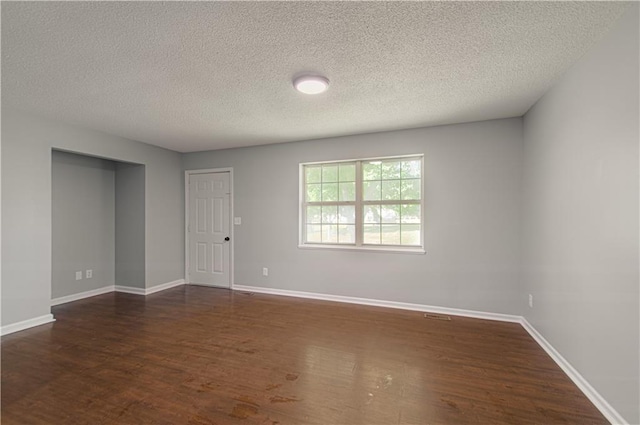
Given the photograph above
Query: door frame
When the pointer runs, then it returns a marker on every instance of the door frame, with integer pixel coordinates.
(187, 174)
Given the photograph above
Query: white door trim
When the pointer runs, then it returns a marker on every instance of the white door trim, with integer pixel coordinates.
(188, 173)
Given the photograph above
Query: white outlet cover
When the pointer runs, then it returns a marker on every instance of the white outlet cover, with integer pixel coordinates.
(89, 274)
(237, 221)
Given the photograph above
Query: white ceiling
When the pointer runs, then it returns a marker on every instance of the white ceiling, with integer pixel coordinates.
(193, 76)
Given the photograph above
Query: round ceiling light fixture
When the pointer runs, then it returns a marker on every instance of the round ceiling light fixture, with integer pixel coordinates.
(311, 84)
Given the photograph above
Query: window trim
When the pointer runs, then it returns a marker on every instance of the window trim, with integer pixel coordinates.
(359, 204)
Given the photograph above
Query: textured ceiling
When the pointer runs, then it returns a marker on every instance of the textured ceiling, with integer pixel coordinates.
(193, 76)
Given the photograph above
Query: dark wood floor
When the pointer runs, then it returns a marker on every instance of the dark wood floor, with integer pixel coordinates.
(194, 355)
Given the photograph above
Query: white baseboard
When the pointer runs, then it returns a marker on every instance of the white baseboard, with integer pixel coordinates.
(380, 303)
(26, 324)
(601, 404)
(129, 290)
(164, 286)
(117, 288)
(148, 291)
(81, 295)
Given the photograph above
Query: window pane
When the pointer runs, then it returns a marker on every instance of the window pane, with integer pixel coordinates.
(371, 191)
(329, 173)
(372, 234)
(371, 214)
(411, 169)
(390, 170)
(390, 213)
(329, 214)
(347, 233)
(314, 192)
(314, 234)
(391, 234)
(410, 213)
(329, 192)
(390, 190)
(330, 233)
(347, 214)
(371, 170)
(314, 173)
(314, 214)
(347, 172)
(410, 234)
(347, 191)
(411, 189)
(393, 185)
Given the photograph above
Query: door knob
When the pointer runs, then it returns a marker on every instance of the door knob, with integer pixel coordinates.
(227, 238)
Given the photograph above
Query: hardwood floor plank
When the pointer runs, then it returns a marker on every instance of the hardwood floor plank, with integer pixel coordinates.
(196, 355)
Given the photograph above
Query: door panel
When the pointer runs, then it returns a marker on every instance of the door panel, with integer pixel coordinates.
(201, 215)
(209, 225)
(217, 216)
(201, 257)
(218, 258)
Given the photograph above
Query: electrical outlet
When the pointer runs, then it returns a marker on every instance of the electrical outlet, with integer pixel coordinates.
(265, 271)
(88, 274)
(530, 301)
(237, 221)
(78, 275)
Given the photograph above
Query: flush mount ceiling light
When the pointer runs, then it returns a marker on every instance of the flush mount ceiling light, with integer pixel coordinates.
(311, 84)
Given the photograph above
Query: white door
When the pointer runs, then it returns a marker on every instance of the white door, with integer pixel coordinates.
(209, 234)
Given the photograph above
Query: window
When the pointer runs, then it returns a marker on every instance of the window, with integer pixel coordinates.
(369, 203)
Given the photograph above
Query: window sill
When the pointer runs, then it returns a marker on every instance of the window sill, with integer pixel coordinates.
(382, 249)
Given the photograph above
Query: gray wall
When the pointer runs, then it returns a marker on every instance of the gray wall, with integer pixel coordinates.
(472, 189)
(26, 207)
(130, 228)
(580, 259)
(83, 205)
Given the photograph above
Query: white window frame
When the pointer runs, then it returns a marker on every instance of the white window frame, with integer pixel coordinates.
(359, 205)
